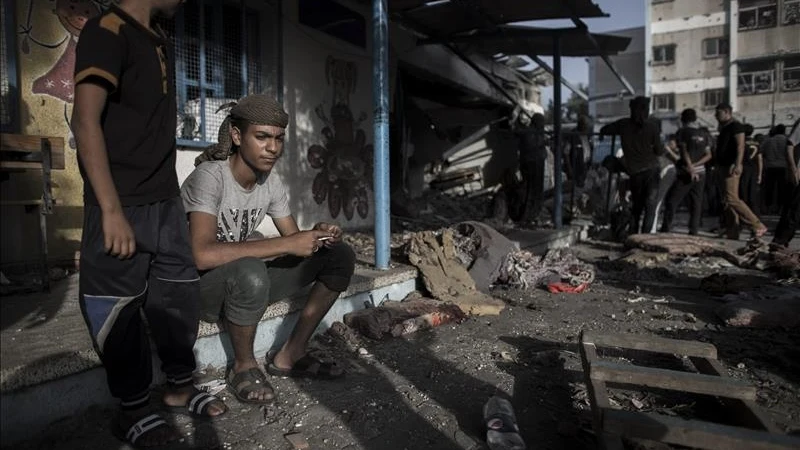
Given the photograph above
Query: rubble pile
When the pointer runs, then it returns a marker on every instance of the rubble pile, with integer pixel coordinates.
(523, 269)
(768, 306)
(400, 318)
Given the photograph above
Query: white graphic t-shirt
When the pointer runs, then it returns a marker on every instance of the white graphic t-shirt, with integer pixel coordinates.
(212, 189)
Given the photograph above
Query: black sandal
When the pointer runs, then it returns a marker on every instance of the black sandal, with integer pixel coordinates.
(146, 424)
(307, 367)
(243, 384)
(197, 406)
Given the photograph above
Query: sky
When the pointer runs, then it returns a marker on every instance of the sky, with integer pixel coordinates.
(622, 14)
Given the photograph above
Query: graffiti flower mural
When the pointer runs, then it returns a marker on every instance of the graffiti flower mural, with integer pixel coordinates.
(344, 160)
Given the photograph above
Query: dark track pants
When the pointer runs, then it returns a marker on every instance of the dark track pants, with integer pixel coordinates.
(159, 284)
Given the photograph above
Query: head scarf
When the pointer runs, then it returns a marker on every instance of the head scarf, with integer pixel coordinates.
(257, 109)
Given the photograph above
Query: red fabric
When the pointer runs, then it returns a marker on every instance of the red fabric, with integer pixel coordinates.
(555, 288)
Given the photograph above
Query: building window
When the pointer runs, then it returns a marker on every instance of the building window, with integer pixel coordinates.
(755, 14)
(756, 78)
(713, 97)
(791, 12)
(9, 89)
(655, 2)
(664, 54)
(664, 102)
(218, 59)
(790, 75)
(715, 47)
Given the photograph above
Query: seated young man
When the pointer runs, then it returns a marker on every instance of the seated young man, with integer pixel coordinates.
(226, 198)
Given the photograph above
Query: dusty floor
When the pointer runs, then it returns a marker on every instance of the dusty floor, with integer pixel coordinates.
(426, 391)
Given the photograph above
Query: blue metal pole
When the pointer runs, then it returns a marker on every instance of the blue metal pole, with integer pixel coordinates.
(558, 192)
(380, 99)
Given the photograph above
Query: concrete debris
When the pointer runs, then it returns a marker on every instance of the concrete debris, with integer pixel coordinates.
(770, 306)
(721, 284)
(678, 244)
(434, 254)
(524, 269)
(297, 440)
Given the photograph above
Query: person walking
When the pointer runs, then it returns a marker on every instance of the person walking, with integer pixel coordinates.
(752, 170)
(774, 187)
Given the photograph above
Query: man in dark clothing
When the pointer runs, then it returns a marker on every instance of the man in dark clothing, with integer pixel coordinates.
(694, 148)
(641, 146)
(532, 156)
(137, 267)
(579, 152)
(790, 215)
(730, 154)
(775, 187)
(752, 169)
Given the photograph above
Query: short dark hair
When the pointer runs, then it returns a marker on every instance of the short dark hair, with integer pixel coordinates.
(724, 107)
(778, 129)
(639, 101)
(688, 115)
(748, 129)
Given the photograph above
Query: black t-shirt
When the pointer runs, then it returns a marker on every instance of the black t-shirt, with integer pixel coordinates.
(136, 66)
(641, 143)
(696, 140)
(726, 143)
(751, 150)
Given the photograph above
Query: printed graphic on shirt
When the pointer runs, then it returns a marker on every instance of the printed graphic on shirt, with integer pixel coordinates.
(236, 225)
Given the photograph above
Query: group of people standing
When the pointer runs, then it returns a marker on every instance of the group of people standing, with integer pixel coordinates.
(733, 174)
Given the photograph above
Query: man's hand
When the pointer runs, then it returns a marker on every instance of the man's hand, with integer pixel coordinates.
(119, 238)
(736, 170)
(306, 243)
(334, 231)
(794, 176)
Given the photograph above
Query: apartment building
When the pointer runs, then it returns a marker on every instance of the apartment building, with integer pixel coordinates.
(703, 52)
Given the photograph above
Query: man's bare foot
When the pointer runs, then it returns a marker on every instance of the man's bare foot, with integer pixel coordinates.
(144, 428)
(179, 398)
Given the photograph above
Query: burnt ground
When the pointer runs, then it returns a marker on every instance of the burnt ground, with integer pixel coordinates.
(426, 390)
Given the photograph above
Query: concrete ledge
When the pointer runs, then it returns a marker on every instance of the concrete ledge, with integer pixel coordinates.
(539, 241)
(57, 386)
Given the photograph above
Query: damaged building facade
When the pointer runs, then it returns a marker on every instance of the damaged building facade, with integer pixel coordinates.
(314, 56)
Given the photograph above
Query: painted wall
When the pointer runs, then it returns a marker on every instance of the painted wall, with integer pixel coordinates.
(780, 39)
(682, 9)
(689, 62)
(45, 50)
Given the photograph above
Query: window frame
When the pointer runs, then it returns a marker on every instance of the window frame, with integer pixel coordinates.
(722, 98)
(11, 67)
(784, 68)
(757, 10)
(670, 97)
(202, 84)
(753, 73)
(666, 48)
(718, 54)
(784, 18)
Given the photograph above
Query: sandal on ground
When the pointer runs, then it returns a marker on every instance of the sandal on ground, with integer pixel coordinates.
(307, 367)
(198, 406)
(146, 424)
(244, 383)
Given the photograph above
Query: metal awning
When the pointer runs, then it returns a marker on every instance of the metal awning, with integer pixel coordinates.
(455, 16)
(519, 40)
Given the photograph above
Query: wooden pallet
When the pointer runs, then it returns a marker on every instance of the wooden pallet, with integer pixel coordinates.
(752, 429)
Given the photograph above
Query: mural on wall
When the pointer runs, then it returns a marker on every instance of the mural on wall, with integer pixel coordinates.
(345, 159)
(57, 80)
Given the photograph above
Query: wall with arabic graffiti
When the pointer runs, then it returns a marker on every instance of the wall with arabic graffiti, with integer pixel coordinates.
(47, 32)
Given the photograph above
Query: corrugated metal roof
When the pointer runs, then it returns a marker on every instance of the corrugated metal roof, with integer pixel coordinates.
(515, 40)
(458, 16)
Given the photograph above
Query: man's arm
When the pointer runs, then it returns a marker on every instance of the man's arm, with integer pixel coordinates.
(759, 167)
(703, 159)
(737, 168)
(794, 171)
(89, 103)
(209, 253)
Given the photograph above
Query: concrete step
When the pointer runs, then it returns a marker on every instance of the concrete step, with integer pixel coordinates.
(49, 370)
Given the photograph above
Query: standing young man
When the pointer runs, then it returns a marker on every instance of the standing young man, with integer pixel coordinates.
(729, 157)
(532, 159)
(694, 147)
(227, 197)
(135, 253)
(790, 212)
(641, 147)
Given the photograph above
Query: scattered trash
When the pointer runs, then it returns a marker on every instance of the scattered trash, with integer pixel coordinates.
(526, 270)
(297, 440)
(769, 306)
(555, 288)
(213, 387)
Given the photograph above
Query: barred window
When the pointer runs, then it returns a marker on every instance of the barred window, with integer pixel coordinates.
(664, 102)
(756, 78)
(715, 47)
(218, 60)
(791, 74)
(664, 54)
(791, 12)
(713, 97)
(755, 14)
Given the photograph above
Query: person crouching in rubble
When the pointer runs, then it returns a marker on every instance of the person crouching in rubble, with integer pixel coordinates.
(694, 151)
(641, 147)
(227, 196)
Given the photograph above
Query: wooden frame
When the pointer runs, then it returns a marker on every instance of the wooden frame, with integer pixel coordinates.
(752, 430)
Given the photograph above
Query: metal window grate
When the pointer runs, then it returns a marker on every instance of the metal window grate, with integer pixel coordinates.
(217, 49)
